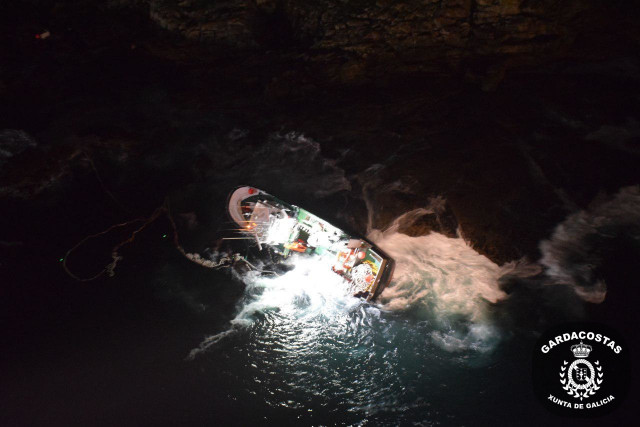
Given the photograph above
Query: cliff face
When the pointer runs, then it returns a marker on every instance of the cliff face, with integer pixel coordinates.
(511, 162)
(409, 35)
(432, 28)
(225, 22)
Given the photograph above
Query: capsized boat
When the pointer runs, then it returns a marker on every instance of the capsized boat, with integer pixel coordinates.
(289, 229)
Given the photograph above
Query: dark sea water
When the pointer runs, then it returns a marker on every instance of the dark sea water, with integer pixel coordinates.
(167, 342)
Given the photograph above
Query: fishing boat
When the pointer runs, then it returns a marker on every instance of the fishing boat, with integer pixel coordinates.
(288, 229)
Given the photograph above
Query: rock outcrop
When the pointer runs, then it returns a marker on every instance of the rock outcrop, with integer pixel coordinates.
(224, 22)
(475, 36)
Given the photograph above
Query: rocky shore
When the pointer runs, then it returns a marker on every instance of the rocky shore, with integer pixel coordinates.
(512, 113)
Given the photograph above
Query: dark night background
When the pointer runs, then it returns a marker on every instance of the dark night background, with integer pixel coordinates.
(515, 114)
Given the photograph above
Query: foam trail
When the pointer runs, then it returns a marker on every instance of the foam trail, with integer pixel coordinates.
(368, 177)
(208, 343)
(581, 245)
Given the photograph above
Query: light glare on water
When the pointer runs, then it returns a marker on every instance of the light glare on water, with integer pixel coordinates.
(306, 340)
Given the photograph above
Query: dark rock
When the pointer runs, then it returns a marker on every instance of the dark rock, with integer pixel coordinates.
(362, 80)
(222, 22)
(484, 37)
(437, 218)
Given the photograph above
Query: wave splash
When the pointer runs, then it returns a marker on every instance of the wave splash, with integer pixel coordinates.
(309, 295)
(438, 281)
(582, 245)
(444, 281)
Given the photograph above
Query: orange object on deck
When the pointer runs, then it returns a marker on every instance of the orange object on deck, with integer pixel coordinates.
(297, 247)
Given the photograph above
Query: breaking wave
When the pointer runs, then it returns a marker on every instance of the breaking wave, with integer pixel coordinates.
(300, 338)
(444, 281)
(439, 282)
(304, 339)
(447, 308)
(581, 246)
(307, 294)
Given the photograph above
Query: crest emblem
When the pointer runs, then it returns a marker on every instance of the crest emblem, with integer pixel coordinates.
(581, 379)
(596, 350)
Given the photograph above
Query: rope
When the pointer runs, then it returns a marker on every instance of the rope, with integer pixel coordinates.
(109, 269)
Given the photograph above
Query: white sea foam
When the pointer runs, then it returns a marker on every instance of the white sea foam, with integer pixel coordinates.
(437, 278)
(439, 281)
(309, 293)
(581, 244)
(446, 282)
